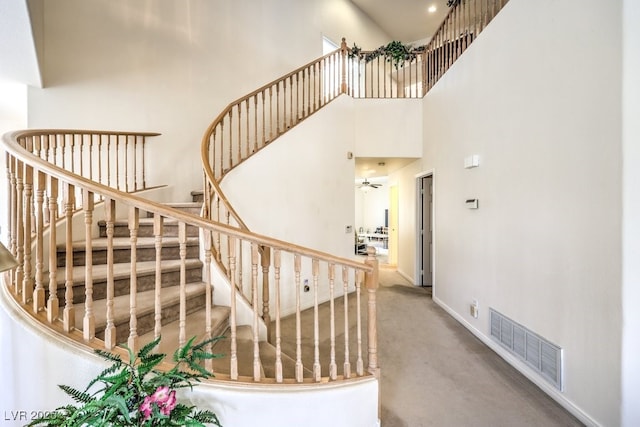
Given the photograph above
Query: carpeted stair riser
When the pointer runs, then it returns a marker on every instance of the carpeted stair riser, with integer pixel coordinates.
(145, 251)
(197, 196)
(190, 207)
(145, 229)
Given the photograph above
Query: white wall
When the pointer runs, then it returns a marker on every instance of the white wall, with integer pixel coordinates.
(171, 67)
(388, 128)
(13, 115)
(631, 215)
(539, 100)
(300, 189)
(19, 62)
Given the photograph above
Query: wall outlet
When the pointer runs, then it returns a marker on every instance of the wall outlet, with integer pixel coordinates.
(473, 309)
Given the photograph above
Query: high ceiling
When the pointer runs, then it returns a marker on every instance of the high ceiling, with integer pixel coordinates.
(405, 20)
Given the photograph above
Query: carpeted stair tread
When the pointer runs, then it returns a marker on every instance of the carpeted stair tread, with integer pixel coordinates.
(195, 326)
(191, 207)
(123, 270)
(145, 304)
(268, 357)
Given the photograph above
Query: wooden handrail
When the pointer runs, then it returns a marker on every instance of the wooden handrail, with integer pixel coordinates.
(74, 302)
(17, 151)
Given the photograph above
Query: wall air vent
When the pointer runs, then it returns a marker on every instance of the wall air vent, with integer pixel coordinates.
(541, 355)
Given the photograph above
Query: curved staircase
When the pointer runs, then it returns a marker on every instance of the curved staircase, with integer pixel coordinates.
(179, 270)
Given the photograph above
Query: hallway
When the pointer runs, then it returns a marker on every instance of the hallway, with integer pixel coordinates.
(436, 373)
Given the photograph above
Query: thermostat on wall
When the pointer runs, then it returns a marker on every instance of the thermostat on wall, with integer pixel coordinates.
(472, 161)
(471, 203)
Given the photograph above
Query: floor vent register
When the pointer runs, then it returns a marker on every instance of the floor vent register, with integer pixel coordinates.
(541, 355)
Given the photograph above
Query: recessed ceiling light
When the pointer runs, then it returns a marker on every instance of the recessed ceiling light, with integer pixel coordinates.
(432, 8)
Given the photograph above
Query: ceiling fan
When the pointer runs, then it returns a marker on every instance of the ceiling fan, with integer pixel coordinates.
(365, 184)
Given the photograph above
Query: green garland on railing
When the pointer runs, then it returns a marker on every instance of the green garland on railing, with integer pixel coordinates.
(394, 52)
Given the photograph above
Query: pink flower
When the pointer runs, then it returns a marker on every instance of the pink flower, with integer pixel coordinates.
(161, 395)
(164, 399)
(146, 408)
(171, 403)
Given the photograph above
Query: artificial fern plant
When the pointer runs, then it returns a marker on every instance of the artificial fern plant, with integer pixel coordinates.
(135, 393)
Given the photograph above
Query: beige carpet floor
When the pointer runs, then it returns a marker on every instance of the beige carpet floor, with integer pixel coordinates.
(436, 373)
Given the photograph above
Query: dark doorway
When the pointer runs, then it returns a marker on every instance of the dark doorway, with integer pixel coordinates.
(425, 239)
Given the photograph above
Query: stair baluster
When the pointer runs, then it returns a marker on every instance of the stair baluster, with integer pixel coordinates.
(208, 295)
(299, 366)
(333, 367)
(27, 280)
(254, 292)
(134, 224)
(182, 239)
(317, 371)
(38, 295)
(233, 359)
(20, 227)
(88, 323)
(265, 261)
(68, 315)
(345, 295)
(276, 271)
(158, 232)
(110, 329)
(52, 302)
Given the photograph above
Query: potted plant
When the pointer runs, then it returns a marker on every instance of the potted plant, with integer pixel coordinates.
(136, 393)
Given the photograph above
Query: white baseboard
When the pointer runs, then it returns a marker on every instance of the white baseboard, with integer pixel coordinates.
(406, 276)
(522, 368)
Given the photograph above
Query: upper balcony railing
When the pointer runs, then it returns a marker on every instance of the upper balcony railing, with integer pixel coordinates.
(254, 121)
(372, 74)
